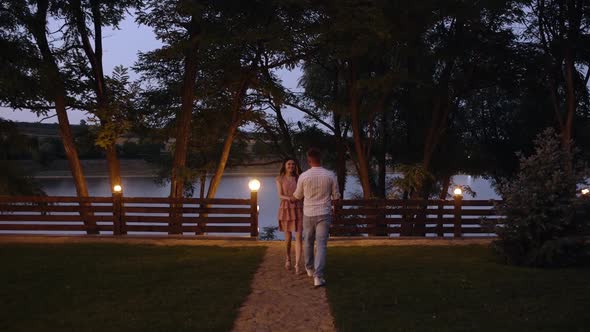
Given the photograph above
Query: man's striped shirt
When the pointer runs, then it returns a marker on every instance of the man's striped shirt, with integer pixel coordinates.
(317, 186)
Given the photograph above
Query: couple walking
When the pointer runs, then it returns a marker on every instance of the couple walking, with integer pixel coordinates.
(306, 210)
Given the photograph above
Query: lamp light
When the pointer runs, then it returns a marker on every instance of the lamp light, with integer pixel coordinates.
(254, 185)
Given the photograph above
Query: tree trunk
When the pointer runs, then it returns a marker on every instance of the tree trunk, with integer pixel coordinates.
(68, 142)
(94, 57)
(231, 134)
(441, 104)
(438, 122)
(216, 180)
(570, 97)
(102, 94)
(445, 187)
(363, 162)
(382, 159)
(183, 121)
(340, 137)
(38, 28)
(202, 185)
(430, 134)
(114, 165)
(236, 121)
(340, 154)
(285, 133)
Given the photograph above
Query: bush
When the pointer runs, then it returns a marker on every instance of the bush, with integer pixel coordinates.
(268, 233)
(15, 182)
(546, 218)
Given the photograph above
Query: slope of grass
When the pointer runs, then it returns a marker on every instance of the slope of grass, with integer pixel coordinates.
(451, 289)
(116, 287)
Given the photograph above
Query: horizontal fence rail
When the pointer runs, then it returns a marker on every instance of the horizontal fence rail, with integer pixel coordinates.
(434, 218)
(119, 215)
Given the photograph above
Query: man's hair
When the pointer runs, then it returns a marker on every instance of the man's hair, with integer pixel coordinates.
(314, 154)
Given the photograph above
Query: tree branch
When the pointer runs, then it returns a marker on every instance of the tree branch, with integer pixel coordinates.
(311, 114)
(48, 117)
(94, 55)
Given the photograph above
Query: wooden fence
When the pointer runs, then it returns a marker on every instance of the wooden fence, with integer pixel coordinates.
(440, 218)
(119, 215)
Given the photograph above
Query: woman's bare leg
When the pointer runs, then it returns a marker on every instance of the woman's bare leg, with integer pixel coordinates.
(298, 250)
(288, 247)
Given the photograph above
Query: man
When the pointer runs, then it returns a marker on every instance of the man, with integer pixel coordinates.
(317, 186)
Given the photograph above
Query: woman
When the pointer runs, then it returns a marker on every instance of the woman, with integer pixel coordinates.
(290, 212)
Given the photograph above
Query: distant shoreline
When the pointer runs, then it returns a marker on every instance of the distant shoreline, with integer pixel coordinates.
(146, 176)
(130, 168)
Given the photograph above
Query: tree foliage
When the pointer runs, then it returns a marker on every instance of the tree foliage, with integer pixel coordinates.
(13, 179)
(428, 88)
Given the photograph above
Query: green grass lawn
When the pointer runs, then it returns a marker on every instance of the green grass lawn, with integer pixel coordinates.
(117, 287)
(451, 289)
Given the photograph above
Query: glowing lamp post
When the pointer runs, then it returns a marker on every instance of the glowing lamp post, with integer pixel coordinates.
(586, 192)
(458, 192)
(254, 186)
(117, 210)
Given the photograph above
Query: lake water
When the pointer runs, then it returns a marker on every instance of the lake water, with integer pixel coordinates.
(232, 186)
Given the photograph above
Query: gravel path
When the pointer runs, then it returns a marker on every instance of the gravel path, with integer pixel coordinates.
(283, 301)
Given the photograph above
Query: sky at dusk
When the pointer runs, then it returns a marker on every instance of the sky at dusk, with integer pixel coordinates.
(121, 48)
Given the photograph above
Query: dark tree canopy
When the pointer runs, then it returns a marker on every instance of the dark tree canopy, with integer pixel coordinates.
(433, 88)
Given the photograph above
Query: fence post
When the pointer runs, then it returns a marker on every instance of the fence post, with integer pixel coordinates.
(420, 221)
(373, 217)
(254, 213)
(405, 226)
(175, 226)
(381, 228)
(457, 224)
(117, 213)
(337, 205)
(123, 223)
(88, 216)
(440, 225)
(178, 217)
(203, 206)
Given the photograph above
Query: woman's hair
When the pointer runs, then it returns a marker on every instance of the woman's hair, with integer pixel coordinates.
(283, 170)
